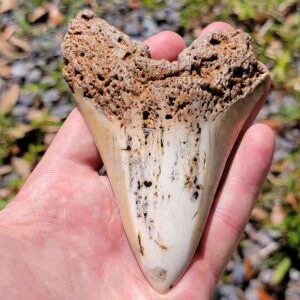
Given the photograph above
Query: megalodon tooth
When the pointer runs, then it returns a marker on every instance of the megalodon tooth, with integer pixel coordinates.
(164, 130)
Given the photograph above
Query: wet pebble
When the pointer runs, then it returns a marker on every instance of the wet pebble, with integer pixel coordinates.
(51, 95)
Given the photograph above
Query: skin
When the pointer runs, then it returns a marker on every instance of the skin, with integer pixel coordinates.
(62, 237)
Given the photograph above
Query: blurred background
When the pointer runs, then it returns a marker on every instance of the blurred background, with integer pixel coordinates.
(34, 102)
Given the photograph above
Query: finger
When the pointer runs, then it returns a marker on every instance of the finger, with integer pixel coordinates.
(233, 206)
(215, 26)
(165, 45)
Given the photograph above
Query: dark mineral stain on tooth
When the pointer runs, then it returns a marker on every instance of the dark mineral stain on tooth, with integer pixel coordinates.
(140, 244)
(147, 183)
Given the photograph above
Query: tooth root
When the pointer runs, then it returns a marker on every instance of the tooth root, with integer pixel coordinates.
(163, 130)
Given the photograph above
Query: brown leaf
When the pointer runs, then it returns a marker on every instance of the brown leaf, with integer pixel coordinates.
(134, 4)
(15, 149)
(20, 44)
(263, 295)
(259, 214)
(21, 166)
(55, 15)
(9, 98)
(19, 132)
(5, 192)
(292, 199)
(14, 51)
(37, 13)
(5, 169)
(5, 71)
(278, 214)
(250, 271)
(7, 5)
(273, 123)
(7, 32)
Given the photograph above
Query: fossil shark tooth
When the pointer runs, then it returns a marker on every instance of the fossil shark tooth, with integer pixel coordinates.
(164, 130)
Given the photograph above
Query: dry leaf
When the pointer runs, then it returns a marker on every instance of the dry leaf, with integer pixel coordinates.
(20, 44)
(55, 15)
(134, 4)
(263, 295)
(277, 214)
(19, 131)
(5, 71)
(7, 32)
(250, 272)
(292, 199)
(7, 5)
(4, 193)
(273, 123)
(15, 149)
(36, 115)
(9, 98)
(11, 51)
(21, 166)
(37, 14)
(5, 169)
(259, 214)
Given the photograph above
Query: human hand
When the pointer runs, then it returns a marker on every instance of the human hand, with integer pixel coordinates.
(62, 237)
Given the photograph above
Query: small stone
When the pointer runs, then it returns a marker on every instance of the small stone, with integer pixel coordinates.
(62, 111)
(251, 290)
(294, 275)
(238, 273)
(266, 275)
(19, 69)
(26, 98)
(250, 248)
(7, 179)
(228, 292)
(263, 238)
(133, 29)
(50, 96)
(160, 15)
(20, 110)
(34, 76)
(150, 26)
(283, 148)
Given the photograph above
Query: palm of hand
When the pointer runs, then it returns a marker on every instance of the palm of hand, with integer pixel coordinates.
(62, 237)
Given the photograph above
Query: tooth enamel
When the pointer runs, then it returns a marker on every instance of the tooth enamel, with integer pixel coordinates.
(164, 130)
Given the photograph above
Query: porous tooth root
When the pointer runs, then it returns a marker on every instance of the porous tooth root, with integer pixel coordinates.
(164, 130)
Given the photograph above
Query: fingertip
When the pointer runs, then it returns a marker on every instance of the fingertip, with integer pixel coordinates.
(216, 26)
(165, 45)
(262, 139)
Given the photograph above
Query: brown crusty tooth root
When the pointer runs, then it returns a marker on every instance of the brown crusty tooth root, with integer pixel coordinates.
(164, 130)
